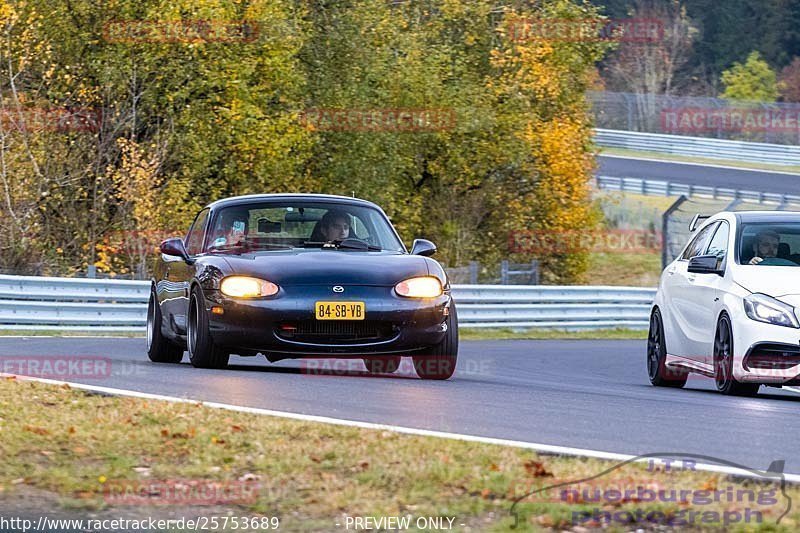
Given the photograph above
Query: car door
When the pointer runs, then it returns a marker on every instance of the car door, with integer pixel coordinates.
(680, 300)
(705, 289)
(178, 276)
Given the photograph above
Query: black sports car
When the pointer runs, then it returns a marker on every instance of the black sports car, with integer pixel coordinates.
(301, 275)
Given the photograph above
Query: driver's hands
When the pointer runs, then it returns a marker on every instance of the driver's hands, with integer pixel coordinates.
(754, 261)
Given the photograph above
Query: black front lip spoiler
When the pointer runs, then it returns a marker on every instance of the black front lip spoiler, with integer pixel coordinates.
(777, 350)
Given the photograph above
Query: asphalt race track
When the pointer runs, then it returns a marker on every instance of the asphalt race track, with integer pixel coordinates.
(689, 174)
(584, 394)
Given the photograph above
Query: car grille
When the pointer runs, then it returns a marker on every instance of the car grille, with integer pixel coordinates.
(769, 356)
(336, 331)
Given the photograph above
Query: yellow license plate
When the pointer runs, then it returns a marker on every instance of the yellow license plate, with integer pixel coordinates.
(340, 310)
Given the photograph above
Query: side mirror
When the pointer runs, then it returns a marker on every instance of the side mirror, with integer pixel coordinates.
(704, 264)
(423, 247)
(176, 248)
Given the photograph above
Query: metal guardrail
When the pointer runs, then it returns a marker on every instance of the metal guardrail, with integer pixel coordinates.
(668, 188)
(779, 154)
(38, 303)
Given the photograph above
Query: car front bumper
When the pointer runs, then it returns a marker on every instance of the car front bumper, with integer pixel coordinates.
(765, 353)
(392, 324)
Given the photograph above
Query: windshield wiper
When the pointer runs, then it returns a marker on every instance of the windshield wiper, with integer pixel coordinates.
(347, 244)
(246, 245)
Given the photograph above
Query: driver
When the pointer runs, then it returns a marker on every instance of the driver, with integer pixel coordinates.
(766, 246)
(335, 225)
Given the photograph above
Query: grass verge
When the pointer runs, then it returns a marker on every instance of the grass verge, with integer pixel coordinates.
(624, 269)
(480, 334)
(68, 333)
(66, 448)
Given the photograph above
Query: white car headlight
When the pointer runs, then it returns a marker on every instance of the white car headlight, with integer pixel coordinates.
(767, 309)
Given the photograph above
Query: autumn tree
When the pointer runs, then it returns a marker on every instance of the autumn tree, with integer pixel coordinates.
(646, 66)
(752, 81)
(789, 84)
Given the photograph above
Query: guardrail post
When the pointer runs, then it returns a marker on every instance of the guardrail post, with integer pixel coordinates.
(473, 272)
(534, 272)
(504, 272)
(91, 272)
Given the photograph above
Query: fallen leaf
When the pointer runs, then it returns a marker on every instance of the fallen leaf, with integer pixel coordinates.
(710, 484)
(37, 430)
(536, 469)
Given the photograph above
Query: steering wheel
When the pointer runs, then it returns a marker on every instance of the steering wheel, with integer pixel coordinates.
(777, 261)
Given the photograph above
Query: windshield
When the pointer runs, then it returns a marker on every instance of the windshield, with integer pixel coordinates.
(290, 224)
(768, 244)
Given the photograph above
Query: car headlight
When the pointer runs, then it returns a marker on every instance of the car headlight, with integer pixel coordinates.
(767, 309)
(247, 287)
(421, 287)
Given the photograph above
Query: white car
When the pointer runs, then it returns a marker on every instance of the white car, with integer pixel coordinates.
(727, 307)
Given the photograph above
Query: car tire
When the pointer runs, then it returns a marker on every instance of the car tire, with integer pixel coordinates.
(159, 348)
(657, 371)
(440, 362)
(723, 362)
(203, 351)
(382, 364)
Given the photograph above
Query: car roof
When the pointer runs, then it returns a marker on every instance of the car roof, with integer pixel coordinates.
(252, 198)
(768, 216)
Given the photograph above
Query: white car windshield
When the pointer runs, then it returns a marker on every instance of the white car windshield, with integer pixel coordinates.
(775, 244)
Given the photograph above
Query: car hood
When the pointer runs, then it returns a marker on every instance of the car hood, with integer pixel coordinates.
(329, 267)
(775, 281)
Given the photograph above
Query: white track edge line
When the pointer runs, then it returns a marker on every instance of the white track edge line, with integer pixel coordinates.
(544, 448)
(726, 167)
